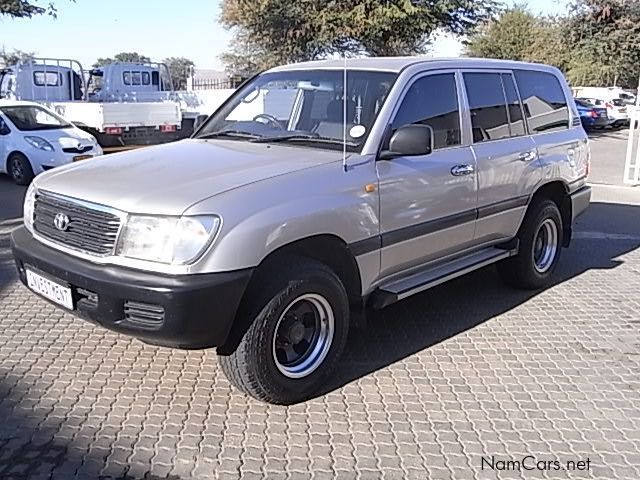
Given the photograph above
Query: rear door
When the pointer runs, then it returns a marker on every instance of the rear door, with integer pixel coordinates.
(554, 126)
(507, 158)
(428, 202)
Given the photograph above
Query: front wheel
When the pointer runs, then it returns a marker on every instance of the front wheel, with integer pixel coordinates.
(540, 243)
(296, 319)
(20, 169)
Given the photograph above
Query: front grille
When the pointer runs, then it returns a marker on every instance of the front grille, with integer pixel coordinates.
(88, 230)
(78, 149)
(144, 315)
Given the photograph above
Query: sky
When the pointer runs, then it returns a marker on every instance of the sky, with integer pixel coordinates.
(88, 29)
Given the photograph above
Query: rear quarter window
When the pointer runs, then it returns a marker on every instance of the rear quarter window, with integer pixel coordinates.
(544, 102)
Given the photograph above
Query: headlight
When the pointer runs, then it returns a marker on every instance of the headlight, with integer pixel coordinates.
(39, 143)
(29, 207)
(171, 240)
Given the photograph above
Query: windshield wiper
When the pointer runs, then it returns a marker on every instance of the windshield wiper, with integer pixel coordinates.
(231, 134)
(301, 137)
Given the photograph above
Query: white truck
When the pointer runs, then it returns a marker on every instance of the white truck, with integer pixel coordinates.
(121, 104)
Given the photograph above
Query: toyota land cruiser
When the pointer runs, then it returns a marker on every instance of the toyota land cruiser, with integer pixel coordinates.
(316, 192)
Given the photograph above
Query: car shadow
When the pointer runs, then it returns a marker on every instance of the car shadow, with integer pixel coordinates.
(443, 312)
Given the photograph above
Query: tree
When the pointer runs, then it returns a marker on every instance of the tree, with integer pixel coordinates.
(508, 37)
(123, 57)
(14, 56)
(271, 32)
(180, 68)
(25, 9)
(604, 36)
(517, 34)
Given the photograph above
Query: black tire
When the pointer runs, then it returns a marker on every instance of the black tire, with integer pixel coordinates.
(19, 168)
(251, 363)
(521, 271)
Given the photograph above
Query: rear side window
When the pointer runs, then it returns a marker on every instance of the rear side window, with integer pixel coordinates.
(433, 101)
(545, 105)
(487, 105)
(47, 79)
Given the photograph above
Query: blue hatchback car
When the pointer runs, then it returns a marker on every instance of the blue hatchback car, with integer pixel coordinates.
(592, 116)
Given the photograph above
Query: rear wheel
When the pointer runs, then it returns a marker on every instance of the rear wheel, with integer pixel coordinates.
(19, 168)
(540, 243)
(296, 319)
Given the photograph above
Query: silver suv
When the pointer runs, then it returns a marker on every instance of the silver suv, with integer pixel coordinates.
(315, 193)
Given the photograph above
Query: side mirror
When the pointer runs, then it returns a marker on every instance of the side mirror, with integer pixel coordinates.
(200, 119)
(410, 140)
(4, 128)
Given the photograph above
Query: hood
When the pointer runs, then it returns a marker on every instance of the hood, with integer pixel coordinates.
(168, 179)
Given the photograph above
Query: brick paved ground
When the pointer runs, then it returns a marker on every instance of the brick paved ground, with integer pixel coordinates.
(467, 370)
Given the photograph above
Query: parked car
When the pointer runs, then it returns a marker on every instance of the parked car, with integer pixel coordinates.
(274, 230)
(34, 139)
(590, 115)
(617, 110)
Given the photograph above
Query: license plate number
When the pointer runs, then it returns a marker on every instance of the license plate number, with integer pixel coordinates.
(53, 291)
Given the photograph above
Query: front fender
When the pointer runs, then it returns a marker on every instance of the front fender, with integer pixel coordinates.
(262, 217)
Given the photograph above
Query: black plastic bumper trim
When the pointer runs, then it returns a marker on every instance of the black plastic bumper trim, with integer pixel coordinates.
(199, 308)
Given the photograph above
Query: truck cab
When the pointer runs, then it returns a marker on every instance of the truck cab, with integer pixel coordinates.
(40, 81)
(128, 81)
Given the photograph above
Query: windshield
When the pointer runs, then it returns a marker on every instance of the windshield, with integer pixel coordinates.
(32, 117)
(305, 107)
(618, 102)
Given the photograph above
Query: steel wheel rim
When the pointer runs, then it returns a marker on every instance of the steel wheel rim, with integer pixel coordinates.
(303, 335)
(16, 169)
(545, 246)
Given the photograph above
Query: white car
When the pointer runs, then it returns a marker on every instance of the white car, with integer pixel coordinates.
(34, 139)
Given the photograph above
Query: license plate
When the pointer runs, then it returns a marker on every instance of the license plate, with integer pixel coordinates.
(53, 291)
(77, 158)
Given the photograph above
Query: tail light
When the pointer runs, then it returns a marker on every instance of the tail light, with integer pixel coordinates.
(113, 130)
(609, 105)
(167, 128)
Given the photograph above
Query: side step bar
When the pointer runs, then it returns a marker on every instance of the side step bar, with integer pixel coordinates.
(423, 280)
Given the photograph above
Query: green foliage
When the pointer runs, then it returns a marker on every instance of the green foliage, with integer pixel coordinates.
(123, 57)
(180, 69)
(519, 35)
(272, 32)
(25, 9)
(595, 45)
(604, 35)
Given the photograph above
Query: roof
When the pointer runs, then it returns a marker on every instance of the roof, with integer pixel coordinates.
(396, 64)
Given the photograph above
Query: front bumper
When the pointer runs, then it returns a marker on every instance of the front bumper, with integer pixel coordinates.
(580, 200)
(198, 310)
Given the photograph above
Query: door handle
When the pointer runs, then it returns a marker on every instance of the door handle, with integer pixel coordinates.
(528, 156)
(460, 170)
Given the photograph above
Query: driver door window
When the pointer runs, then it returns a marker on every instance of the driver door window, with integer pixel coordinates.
(433, 101)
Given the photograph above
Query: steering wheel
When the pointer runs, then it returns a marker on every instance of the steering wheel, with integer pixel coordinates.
(270, 120)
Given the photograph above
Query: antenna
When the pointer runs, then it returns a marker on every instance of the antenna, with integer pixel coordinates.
(344, 115)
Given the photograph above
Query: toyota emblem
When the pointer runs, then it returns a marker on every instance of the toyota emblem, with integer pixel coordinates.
(61, 221)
